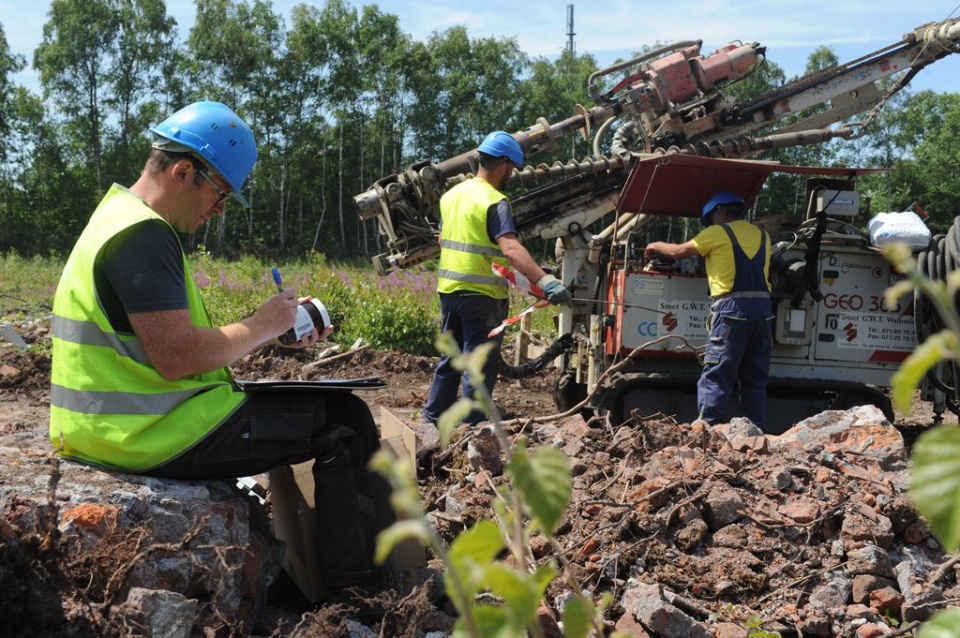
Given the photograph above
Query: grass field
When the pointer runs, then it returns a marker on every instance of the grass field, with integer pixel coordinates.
(396, 312)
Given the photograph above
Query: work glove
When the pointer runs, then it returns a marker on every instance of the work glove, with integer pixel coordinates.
(555, 291)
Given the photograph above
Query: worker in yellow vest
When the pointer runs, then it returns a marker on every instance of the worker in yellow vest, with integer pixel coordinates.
(140, 380)
(477, 229)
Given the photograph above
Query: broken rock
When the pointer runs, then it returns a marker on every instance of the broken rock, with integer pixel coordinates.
(833, 593)
(201, 539)
(863, 524)
(723, 506)
(158, 613)
(483, 452)
(646, 603)
(869, 559)
(865, 584)
(863, 431)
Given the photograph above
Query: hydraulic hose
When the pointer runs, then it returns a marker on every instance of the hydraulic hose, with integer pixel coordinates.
(810, 279)
(936, 262)
(523, 370)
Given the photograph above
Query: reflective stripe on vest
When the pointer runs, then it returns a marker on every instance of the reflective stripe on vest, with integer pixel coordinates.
(90, 402)
(466, 249)
(89, 333)
(109, 405)
(484, 280)
(470, 248)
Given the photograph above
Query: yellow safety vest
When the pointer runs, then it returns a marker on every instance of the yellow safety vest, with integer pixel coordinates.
(108, 405)
(466, 250)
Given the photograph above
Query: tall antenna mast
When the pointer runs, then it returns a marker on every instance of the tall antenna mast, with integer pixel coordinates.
(570, 45)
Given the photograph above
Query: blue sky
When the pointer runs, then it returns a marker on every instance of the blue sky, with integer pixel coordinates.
(790, 29)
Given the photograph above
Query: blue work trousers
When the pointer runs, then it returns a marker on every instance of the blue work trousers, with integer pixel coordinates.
(470, 318)
(738, 349)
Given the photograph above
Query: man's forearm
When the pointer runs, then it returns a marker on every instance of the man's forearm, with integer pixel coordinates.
(527, 267)
(673, 251)
(177, 348)
(520, 259)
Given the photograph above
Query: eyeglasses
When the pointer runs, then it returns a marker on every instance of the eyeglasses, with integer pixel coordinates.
(221, 194)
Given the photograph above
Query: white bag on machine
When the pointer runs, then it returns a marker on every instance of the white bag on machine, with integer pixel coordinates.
(906, 227)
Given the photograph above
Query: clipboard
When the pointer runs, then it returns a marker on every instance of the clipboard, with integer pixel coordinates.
(346, 385)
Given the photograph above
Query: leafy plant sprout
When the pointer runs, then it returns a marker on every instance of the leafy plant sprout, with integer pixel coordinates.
(935, 477)
(535, 499)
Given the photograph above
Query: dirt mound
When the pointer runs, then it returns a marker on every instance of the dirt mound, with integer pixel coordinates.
(408, 377)
(807, 536)
(732, 525)
(24, 373)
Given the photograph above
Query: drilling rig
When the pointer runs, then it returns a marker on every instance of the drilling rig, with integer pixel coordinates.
(675, 137)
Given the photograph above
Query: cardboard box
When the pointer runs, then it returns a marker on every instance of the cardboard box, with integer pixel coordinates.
(397, 436)
(295, 522)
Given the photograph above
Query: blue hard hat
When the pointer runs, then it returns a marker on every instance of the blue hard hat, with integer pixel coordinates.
(502, 144)
(217, 135)
(719, 199)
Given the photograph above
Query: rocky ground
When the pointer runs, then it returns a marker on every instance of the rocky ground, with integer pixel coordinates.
(695, 532)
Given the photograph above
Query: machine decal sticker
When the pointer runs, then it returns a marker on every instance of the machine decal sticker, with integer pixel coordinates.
(873, 331)
(686, 319)
(653, 286)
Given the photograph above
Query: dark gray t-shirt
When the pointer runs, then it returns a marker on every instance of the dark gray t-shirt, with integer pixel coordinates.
(500, 221)
(140, 269)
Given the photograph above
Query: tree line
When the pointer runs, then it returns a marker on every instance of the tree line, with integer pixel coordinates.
(337, 98)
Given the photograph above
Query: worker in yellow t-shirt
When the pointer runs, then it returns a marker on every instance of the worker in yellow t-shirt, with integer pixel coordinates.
(737, 255)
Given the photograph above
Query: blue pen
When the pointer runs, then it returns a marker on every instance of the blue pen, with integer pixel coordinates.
(276, 278)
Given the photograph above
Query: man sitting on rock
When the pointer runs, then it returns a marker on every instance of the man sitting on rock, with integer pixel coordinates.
(140, 380)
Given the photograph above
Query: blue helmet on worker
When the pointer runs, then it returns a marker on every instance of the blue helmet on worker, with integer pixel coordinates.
(502, 144)
(217, 136)
(720, 198)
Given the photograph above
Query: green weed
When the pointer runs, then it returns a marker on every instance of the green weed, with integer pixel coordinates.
(754, 627)
(935, 477)
(27, 285)
(397, 312)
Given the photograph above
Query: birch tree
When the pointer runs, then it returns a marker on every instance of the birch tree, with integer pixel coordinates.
(73, 59)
